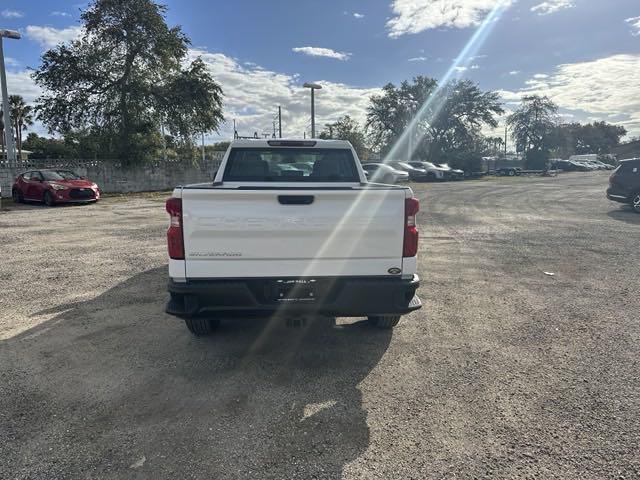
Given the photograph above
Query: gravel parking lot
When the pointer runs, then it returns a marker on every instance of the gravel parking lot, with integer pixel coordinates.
(506, 372)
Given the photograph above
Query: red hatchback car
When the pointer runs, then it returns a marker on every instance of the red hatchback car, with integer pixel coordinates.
(53, 186)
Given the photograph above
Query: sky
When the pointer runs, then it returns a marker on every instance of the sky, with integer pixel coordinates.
(584, 54)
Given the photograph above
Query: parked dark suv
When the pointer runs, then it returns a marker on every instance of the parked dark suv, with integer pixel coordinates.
(624, 184)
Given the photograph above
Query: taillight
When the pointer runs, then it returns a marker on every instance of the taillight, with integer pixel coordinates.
(175, 240)
(411, 209)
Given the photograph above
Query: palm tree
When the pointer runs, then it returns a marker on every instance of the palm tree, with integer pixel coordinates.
(22, 116)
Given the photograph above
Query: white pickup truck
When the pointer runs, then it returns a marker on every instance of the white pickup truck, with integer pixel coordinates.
(291, 228)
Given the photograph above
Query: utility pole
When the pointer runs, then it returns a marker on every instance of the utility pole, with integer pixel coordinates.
(505, 141)
(279, 122)
(274, 129)
(8, 130)
(313, 87)
(235, 132)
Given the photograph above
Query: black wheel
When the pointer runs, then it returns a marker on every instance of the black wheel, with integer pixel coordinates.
(16, 195)
(385, 321)
(202, 327)
(635, 202)
(512, 173)
(48, 199)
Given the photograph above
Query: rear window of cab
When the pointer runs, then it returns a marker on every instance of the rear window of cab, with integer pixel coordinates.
(290, 165)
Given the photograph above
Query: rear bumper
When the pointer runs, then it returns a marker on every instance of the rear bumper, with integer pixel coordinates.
(343, 297)
(616, 195)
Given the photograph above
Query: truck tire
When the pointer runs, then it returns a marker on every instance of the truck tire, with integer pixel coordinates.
(202, 327)
(385, 321)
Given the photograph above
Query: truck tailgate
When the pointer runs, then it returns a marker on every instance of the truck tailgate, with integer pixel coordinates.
(240, 233)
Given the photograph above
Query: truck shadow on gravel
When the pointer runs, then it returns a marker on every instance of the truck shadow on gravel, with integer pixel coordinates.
(113, 388)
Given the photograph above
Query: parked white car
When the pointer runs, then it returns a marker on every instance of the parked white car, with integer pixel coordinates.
(433, 172)
(263, 239)
(383, 173)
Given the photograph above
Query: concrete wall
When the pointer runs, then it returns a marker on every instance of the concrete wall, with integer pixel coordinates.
(114, 178)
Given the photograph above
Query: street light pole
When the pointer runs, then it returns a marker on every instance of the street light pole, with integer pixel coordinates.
(313, 87)
(8, 130)
(313, 113)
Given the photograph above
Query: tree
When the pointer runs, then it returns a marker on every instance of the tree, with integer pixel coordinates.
(42, 147)
(596, 137)
(124, 78)
(494, 144)
(389, 114)
(532, 125)
(348, 129)
(454, 118)
(22, 117)
(445, 121)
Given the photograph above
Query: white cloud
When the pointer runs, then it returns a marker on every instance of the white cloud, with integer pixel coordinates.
(462, 69)
(6, 13)
(49, 37)
(552, 6)
(415, 16)
(11, 62)
(540, 76)
(514, 72)
(252, 96)
(322, 52)
(417, 59)
(358, 15)
(60, 14)
(598, 88)
(635, 25)
(21, 83)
